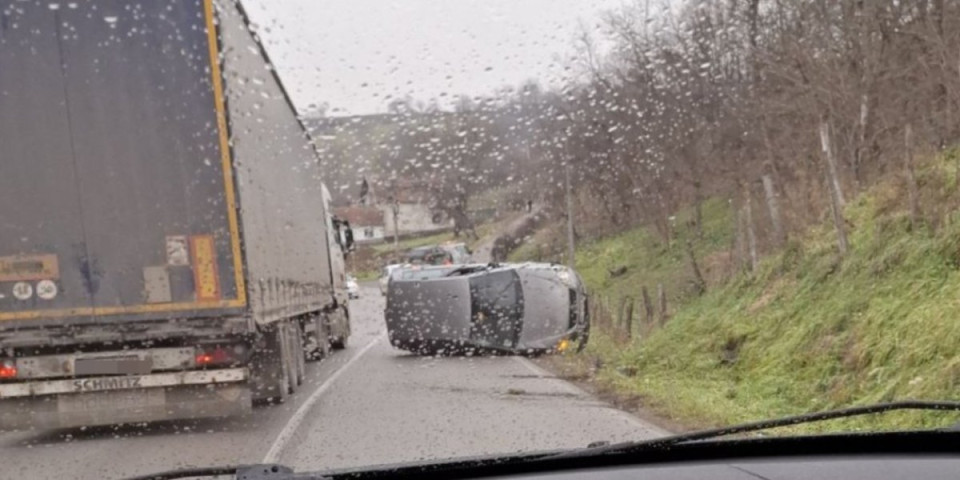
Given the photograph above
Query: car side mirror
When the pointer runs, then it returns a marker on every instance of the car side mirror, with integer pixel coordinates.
(348, 238)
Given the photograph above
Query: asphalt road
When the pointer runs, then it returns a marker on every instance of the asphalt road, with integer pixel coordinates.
(368, 404)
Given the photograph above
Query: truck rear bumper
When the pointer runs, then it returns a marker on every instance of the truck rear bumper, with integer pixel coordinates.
(175, 396)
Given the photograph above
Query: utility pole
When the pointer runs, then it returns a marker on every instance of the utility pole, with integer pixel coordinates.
(570, 245)
(395, 208)
(396, 227)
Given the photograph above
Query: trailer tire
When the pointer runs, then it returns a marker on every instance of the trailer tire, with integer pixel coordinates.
(319, 348)
(299, 355)
(270, 375)
(290, 357)
(339, 342)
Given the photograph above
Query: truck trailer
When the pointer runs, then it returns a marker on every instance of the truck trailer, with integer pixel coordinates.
(167, 248)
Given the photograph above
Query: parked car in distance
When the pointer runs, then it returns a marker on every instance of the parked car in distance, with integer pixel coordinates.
(431, 255)
(385, 273)
(460, 252)
(525, 308)
(353, 288)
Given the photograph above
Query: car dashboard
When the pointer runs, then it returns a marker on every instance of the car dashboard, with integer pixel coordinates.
(874, 456)
(796, 468)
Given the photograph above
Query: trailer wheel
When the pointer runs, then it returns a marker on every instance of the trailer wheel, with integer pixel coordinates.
(318, 346)
(298, 353)
(290, 358)
(339, 342)
(270, 377)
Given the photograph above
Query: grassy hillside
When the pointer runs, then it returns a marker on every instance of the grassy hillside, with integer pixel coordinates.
(649, 260)
(808, 330)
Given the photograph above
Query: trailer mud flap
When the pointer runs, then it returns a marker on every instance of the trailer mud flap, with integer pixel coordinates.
(130, 400)
(125, 406)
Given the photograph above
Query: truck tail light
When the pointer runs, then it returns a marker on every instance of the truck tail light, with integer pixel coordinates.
(8, 368)
(220, 356)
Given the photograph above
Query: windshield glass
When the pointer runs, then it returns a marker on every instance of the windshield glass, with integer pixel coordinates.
(345, 233)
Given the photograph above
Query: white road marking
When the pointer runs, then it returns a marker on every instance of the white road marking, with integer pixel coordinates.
(571, 388)
(273, 455)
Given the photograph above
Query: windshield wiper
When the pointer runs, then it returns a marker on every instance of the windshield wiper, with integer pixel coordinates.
(190, 472)
(244, 472)
(761, 425)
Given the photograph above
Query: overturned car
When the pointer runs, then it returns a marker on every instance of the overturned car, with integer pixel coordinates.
(527, 308)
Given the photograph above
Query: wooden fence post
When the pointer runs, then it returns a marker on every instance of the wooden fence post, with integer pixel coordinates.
(773, 206)
(600, 313)
(662, 299)
(628, 319)
(832, 176)
(751, 230)
(741, 241)
(621, 314)
(647, 306)
(833, 184)
(701, 284)
(911, 177)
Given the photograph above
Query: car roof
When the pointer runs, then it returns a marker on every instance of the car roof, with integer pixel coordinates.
(426, 267)
(427, 272)
(527, 266)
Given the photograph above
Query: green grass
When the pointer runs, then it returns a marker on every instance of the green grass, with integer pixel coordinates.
(540, 246)
(366, 275)
(650, 260)
(807, 331)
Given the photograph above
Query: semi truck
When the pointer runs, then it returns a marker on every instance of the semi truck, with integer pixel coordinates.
(167, 248)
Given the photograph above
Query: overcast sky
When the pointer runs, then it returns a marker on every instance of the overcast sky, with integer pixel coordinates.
(356, 54)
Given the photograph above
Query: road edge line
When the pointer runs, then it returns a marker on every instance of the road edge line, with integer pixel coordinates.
(570, 387)
(273, 454)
